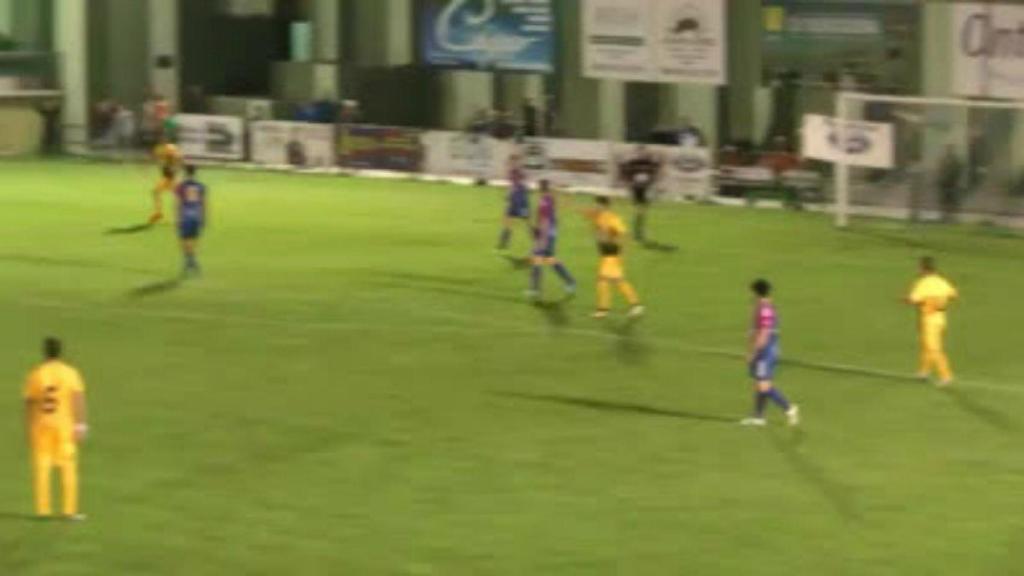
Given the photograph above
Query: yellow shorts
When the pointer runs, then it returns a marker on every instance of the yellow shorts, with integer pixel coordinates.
(932, 333)
(53, 446)
(611, 268)
(165, 184)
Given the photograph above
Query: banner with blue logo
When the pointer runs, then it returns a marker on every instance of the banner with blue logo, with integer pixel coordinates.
(515, 35)
(851, 142)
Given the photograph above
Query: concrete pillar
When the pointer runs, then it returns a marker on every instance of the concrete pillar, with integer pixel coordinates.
(463, 93)
(383, 32)
(696, 102)
(745, 62)
(70, 35)
(937, 81)
(327, 42)
(587, 108)
(28, 24)
(164, 52)
(6, 17)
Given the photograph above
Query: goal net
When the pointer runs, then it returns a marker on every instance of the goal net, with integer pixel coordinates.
(952, 160)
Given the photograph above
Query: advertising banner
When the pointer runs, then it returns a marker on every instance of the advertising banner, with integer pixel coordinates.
(488, 34)
(217, 137)
(466, 154)
(654, 40)
(578, 163)
(867, 144)
(686, 171)
(987, 56)
(380, 148)
(297, 144)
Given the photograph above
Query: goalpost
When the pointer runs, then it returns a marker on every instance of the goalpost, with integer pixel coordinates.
(954, 159)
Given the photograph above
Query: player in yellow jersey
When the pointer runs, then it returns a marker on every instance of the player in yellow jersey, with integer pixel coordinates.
(611, 234)
(931, 295)
(169, 160)
(55, 422)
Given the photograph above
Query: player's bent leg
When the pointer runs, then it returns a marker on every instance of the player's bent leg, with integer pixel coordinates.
(567, 279)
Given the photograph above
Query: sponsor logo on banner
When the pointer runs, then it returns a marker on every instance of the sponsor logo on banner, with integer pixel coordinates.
(692, 41)
(615, 41)
(466, 154)
(380, 148)
(489, 34)
(868, 144)
(654, 40)
(298, 144)
(583, 163)
(219, 137)
(989, 50)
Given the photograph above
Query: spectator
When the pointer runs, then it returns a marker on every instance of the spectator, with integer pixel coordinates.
(550, 115)
(531, 118)
(688, 135)
(351, 112)
(155, 111)
(950, 196)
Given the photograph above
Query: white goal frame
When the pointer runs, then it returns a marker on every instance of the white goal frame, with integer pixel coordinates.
(844, 99)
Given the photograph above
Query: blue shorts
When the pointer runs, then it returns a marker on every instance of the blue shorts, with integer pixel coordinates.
(763, 366)
(189, 229)
(546, 249)
(518, 211)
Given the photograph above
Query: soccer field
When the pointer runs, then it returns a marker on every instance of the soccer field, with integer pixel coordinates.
(357, 386)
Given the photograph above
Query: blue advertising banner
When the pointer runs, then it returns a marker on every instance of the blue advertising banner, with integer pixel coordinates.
(515, 35)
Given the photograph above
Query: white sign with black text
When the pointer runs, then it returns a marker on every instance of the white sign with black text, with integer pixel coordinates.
(654, 40)
(298, 144)
(218, 137)
(988, 46)
(855, 143)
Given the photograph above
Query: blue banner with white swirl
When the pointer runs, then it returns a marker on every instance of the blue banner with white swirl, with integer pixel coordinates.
(516, 35)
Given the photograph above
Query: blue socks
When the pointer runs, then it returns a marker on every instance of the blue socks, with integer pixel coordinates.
(779, 399)
(564, 274)
(506, 236)
(535, 278)
(760, 399)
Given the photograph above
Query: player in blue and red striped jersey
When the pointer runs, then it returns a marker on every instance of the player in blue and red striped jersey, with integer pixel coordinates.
(545, 242)
(764, 357)
(192, 214)
(518, 207)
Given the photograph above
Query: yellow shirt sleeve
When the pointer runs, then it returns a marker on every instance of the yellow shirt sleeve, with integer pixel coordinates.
(75, 382)
(917, 292)
(31, 391)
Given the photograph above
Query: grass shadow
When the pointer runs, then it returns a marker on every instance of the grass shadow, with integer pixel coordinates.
(34, 260)
(788, 443)
(129, 229)
(627, 346)
(893, 239)
(437, 284)
(986, 414)
(518, 262)
(851, 370)
(23, 517)
(554, 312)
(655, 246)
(618, 407)
(156, 288)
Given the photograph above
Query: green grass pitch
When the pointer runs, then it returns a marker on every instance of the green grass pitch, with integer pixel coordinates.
(356, 386)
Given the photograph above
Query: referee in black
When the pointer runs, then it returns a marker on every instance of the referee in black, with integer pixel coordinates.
(640, 172)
